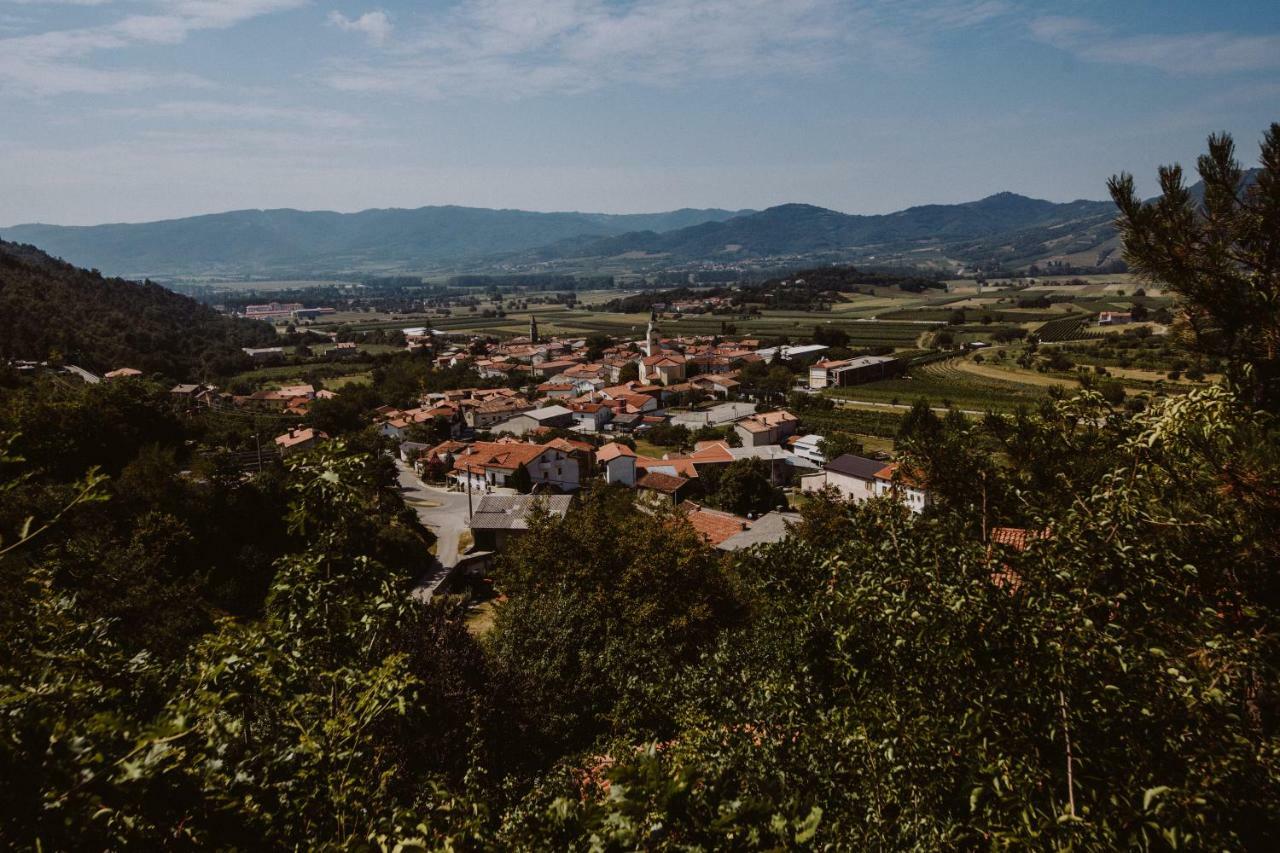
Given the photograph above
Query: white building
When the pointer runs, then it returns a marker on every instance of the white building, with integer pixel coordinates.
(859, 479)
(619, 463)
(806, 447)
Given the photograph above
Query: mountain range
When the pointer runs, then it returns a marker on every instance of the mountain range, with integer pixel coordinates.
(281, 242)
(1005, 228)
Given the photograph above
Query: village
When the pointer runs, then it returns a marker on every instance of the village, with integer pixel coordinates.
(478, 463)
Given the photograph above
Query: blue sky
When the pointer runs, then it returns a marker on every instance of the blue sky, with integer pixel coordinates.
(128, 110)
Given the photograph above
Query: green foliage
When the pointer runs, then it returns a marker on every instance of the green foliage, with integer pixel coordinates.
(47, 306)
(1217, 253)
(745, 487)
(595, 599)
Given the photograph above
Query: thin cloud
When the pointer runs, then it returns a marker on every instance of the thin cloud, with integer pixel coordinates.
(1190, 53)
(224, 112)
(376, 26)
(518, 48)
(50, 63)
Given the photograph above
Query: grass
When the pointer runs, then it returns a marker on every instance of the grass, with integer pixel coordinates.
(645, 448)
(944, 384)
(481, 616)
(339, 382)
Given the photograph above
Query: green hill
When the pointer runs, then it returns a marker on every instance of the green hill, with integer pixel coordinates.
(49, 307)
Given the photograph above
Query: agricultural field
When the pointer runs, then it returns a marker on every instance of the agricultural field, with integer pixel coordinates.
(944, 384)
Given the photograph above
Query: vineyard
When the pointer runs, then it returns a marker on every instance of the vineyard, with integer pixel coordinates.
(860, 421)
(943, 384)
(1065, 329)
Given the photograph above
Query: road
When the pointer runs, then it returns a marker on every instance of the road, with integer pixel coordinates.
(858, 404)
(445, 513)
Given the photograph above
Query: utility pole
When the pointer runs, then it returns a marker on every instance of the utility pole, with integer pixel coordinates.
(468, 494)
(257, 441)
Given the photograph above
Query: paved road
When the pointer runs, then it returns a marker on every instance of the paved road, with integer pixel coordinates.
(858, 404)
(447, 521)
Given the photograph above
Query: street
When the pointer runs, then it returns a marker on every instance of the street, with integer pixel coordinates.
(445, 513)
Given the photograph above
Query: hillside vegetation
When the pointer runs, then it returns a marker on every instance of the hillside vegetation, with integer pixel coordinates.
(1074, 647)
(50, 309)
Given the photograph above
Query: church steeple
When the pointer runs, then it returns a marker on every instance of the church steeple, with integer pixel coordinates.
(651, 335)
(533, 328)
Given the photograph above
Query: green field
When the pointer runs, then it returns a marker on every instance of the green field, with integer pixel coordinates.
(943, 384)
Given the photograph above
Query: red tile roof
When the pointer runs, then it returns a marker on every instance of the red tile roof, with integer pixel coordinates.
(612, 451)
(658, 482)
(1018, 538)
(713, 525)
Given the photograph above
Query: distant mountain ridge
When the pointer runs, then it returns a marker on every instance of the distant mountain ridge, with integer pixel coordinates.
(286, 240)
(994, 226)
(1004, 230)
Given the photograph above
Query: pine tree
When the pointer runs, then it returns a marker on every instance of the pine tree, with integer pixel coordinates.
(1220, 255)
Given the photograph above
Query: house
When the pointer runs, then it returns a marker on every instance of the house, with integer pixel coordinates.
(860, 479)
(547, 417)
(435, 462)
(787, 352)
(783, 465)
(411, 450)
(661, 488)
(714, 526)
(1114, 318)
(853, 371)
(765, 530)
(185, 393)
(904, 484)
(724, 413)
(495, 411)
(626, 421)
(487, 464)
(854, 477)
(662, 368)
(619, 462)
(499, 518)
(766, 428)
(806, 447)
(715, 385)
(557, 390)
(122, 373)
(298, 440)
(591, 416)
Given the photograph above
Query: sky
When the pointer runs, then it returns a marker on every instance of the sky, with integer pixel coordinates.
(135, 110)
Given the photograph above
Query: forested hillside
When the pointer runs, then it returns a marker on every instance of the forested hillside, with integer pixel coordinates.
(52, 310)
(1076, 646)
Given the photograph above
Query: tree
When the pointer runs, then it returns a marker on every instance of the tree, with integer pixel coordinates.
(831, 336)
(629, 372)
(520, 480)
(642, 594)
(746, 487)
(837, 444)
(1219, 255)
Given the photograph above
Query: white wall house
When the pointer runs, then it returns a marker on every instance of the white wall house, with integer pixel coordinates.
(619, 464)
(859, 479)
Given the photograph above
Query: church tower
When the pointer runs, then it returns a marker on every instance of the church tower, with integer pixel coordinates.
(651, 335)
(533, 328)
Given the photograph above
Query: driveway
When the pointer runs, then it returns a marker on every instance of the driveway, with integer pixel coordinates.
(445, 513)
